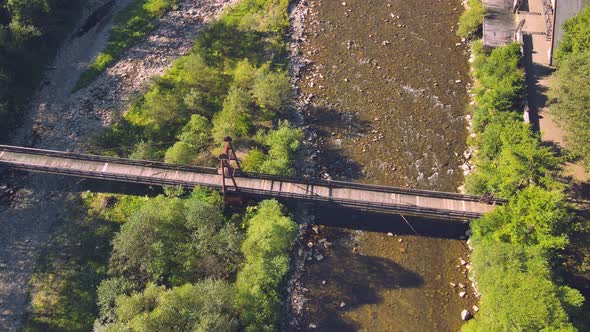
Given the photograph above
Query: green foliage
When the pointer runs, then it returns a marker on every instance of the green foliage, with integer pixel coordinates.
(235, 119)
(511, 159)
(245, 74)
(259, 15)
(471, 20)
(571, 100)
(282, 144)
(181, 153)
(173, 241)
(204, 306)
(131, 25)
(270, 237)
(518, 291)
(73, 263)
(535, 217)
(576, 36)
(501, 82)
(273, 91)
(514, 244)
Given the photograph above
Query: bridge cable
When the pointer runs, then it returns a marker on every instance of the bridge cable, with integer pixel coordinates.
(407, 222)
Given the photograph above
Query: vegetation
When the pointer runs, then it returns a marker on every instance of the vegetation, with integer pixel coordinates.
(131, 25)
(232, 83)
(516, 245)
(30, 32)
(471, 20)
(269, 240)
(63, 286)
(569, 92)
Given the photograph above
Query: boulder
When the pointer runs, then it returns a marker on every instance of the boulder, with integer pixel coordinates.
(465, 315)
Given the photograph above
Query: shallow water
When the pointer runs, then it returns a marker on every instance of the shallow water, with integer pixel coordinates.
(389, 98)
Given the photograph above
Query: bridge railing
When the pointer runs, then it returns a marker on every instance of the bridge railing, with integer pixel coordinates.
(212, 170)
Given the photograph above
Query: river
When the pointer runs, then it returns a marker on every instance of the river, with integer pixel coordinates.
(387, 85)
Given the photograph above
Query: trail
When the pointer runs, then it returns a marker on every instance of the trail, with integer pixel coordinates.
(58, 119)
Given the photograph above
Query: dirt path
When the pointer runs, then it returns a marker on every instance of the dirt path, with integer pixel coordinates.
(57, 119)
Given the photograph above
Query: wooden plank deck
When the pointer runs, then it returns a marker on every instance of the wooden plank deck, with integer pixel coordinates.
(412, 202)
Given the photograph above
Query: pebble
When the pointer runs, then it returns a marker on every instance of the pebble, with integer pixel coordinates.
(319, 257)
(462, 294)
(312, 326)
(342, 304)
(390, 234)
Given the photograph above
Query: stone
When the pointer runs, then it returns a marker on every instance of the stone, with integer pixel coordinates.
(323, 282)
(312, 326)
(462, 294)
(475, 308)
(390, 234)
(461, 285)
(462, 261)
(342, 304)
(343, 4)
(452, 284)
(310, 244)
(319, 257)
(465, 315)
(457, 81)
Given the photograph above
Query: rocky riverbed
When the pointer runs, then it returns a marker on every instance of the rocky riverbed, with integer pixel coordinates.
(382, 94)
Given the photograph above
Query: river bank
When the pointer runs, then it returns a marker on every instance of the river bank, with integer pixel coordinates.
(383, 94)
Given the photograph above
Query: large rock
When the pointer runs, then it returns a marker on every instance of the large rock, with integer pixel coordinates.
(465, 315)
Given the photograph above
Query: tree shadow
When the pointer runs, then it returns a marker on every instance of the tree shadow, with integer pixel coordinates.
(352, 280)
(329, 128)
(537, 98)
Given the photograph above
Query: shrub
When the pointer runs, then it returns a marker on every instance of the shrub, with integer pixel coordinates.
(204, 306)
(471, 20)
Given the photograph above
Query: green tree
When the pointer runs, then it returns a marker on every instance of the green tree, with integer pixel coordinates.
(197, 132)
(269, 240)
(235, 118)
(571, 101)
(163, 107)
(273, 91)
(181, 153)
(204, 306)
(245, 74)
(282, 145)
(576, 36)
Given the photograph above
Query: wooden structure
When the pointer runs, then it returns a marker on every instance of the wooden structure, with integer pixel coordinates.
(356, 195)
(498, 25)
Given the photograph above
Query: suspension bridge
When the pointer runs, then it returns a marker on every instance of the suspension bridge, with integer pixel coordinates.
(225, 178)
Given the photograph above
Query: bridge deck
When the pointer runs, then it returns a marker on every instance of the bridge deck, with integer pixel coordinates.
(420, 202)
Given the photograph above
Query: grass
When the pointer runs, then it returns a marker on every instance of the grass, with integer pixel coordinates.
(131, 25)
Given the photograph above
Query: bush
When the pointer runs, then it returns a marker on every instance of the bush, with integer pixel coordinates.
(245, 74)
(471, 20)
(197, 132)
(269, 240)
(204, 306)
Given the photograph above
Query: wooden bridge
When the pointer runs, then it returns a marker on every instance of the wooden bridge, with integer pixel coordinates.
(356, 195)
